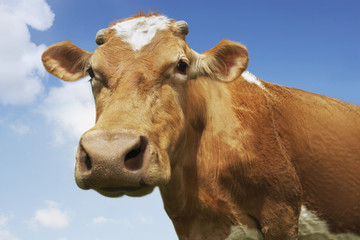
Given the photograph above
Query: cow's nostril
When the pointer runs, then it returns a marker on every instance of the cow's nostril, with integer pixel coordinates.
(87, 162)
(84, 160)
(134, 158)
(133, 153)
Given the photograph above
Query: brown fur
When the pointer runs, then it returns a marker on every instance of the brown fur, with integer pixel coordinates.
(223, 151)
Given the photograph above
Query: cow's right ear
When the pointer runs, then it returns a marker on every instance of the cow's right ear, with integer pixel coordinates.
(66, 61)
(225, 62)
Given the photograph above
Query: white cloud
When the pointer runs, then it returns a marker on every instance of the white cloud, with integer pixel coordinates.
(6, 235)
(102, 220)
(3, 220)
(50, 217)
(145, 219)
(20, 128)
(20, 58)
(70, 109)
(124, 222)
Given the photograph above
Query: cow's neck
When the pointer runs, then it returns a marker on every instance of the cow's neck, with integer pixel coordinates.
(193, 194)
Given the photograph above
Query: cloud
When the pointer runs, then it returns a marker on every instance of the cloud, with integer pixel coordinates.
(6, 235)
(102, 220)
(20, 58)
(50, 217)
(144, 219)
(70, 109)
(20, 128)
(3, 220)
(124, 222)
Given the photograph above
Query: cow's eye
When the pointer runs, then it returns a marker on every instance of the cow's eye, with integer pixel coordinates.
(91, 72)
(182, 67)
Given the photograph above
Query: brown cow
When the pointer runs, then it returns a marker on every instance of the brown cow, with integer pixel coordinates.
(234, 157)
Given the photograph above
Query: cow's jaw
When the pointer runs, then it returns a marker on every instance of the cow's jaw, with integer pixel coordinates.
(129, 191)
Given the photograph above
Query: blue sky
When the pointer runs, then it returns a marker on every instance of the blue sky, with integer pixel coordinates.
(312, 45)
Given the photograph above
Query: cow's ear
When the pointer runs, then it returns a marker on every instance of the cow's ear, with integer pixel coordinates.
(66, 61)
(225, 62)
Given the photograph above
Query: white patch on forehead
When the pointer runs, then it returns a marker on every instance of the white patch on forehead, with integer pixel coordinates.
(252, 79)
(139, 31)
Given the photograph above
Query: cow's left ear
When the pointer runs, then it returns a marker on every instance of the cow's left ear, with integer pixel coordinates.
(66, 61)
(225, 62)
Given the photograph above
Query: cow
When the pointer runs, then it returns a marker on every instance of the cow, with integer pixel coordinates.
(234, 157)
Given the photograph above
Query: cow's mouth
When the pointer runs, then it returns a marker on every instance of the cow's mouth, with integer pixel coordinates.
(130, 191)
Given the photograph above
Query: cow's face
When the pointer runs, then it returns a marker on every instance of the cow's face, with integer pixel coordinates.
(139, 78)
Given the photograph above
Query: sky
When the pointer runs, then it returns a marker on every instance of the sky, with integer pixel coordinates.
(311, 45)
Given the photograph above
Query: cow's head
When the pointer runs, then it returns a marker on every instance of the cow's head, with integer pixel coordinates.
(139, 76)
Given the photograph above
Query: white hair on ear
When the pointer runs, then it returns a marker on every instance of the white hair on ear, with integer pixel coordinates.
(252, 79)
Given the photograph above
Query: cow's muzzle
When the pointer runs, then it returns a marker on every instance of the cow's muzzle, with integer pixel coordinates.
(113, 163)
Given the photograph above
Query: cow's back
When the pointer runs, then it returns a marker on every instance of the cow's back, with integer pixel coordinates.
(321, 136)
